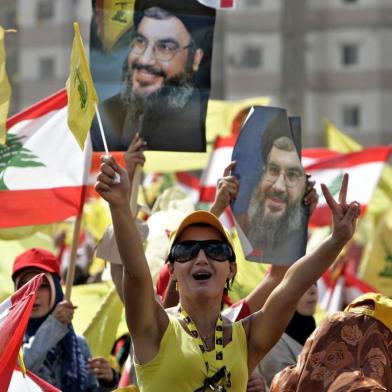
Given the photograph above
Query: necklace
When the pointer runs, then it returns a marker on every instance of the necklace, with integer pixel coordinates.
(200, 341)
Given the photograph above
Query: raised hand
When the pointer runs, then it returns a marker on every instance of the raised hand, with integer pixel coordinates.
(311, 197)
(134, 155)
(115, 193)
(344, 216)
(226, 190)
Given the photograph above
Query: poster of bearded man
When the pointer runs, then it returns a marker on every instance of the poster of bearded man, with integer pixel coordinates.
(151, 65)
(270, 216)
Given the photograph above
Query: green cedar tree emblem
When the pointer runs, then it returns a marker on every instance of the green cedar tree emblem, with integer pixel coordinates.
(82, 88)
(13, 154)
(334, 187)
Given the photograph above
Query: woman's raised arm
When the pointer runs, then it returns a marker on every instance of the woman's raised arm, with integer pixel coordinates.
(146, 319)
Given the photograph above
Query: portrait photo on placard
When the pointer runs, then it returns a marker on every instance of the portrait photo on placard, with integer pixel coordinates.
(270, 216)
(151, 65)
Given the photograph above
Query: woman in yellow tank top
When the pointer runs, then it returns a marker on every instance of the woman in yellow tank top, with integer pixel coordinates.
(195, 349)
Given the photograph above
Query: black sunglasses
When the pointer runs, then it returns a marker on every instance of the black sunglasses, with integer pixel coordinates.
(187, 250)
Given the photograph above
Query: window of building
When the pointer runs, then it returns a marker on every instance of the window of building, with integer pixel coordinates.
(45, 9)
(46, 68)
(252, 3)
(351, 116)
(252, 57)
(350, 54)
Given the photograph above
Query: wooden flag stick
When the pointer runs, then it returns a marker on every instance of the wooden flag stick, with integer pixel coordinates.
(72, 262)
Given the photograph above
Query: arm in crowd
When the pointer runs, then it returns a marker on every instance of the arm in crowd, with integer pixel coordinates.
(146, 319)
(50, 332)
(265, 327)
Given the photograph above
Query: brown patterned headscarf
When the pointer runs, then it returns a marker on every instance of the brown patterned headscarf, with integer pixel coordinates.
(346, 342)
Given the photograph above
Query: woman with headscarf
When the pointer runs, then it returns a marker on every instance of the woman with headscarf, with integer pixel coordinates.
(51, 348)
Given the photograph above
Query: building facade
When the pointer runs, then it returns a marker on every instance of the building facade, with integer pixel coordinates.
(318, 58)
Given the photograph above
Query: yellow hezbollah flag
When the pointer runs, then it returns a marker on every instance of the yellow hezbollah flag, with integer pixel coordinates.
(5, 89)
(82, 97)
(113, 20)
(376, 265)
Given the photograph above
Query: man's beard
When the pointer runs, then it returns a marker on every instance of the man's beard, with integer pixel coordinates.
(266, 230)
(173, 95)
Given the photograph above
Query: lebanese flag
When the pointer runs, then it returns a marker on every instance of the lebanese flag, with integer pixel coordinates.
(218, 4)
(364, 168)
(42, 168)
(312, 155)
(14, 317)
(29, 383)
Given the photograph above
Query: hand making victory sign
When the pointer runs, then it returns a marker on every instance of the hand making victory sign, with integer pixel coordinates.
(344, 216)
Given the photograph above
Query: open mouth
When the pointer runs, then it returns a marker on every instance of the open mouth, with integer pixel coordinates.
(201, 275)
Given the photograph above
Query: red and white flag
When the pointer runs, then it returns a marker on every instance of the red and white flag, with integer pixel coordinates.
(364, 168)
(337, 292)
(218, 4)
(14, 317)
(29, 383)
(42, 169)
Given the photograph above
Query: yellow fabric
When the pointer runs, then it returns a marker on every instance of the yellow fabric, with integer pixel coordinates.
(117, 19)
(249, 274)
(102, 329)
(130, 388)
(382, 310)
(219, 122)
(82, 96)
(5, 90)
(336, 140)
(179, 364)
(376, 264)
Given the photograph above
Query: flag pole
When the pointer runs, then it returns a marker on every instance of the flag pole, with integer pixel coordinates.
(105, 145)
(72, 262)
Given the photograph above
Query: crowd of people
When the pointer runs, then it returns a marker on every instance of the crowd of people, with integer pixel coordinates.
(187, 339)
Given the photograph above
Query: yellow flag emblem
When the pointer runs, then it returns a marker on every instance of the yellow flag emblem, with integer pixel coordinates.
(114, 19)
(82, 97)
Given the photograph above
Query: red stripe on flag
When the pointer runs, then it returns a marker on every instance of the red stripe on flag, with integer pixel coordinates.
(227, 3)
(54, 102)
(38, 206)
(207, 194)
(319, 153)
(322, 216)
(188, 180)
(225, 141)
(371, 154)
